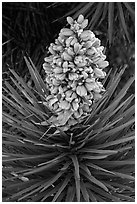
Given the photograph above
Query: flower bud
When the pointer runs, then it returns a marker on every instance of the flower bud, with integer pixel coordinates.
(66, 56)
(77, 47)
(68, 41)
(97, 96)
(73, 41)
(54, 90)
(70, 51)
(73, 76)
(58, 70)
(60, 39)
(96, 43)
(70, 20)
(60, 76)
(65, 64)
(68, 93)
(66, 32)
(85, 75)
(64, 105)
(91, 51)
(88, 44)
(56, 82)
(81, 90)
(80, 19)
(47, 68)
(84, 23)
(90, 86)
(52, 51)
(99, 73)
(85, 108)
(48, 59)
(85, 34)
(74, 95)
(52, 101)
(103, 64)
(75, 105)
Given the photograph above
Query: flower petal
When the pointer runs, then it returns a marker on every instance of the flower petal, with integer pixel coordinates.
(103, 64)
(77, 47)
(73, 76)
(56, 82)
(75, 105)
(97, 96)
(64, 105)
(68, 93)
(67, 32)
(85, 108)
(66, 56)
(64, 117)
(70, 20)
(84, 23)
(60, 76)
(99, 73)
(58, 70)
(81, 90)
(52, 101)
(90, 86)
(80, 19)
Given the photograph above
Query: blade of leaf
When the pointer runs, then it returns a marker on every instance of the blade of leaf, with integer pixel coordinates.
(129, 137)
(52, 180)
(131, 11)
(42, 84)
(124, 176)
(64, 184)
(122, 20)
(105, 9)
(42, 168)
(26, 190)
(85, 168)
(84, 191)
(98, 168)
(51, 192)
(83, 10)
(92, 196)
(110, 21)
(75, 10)
(28, 157)
(35, 78)
(94, 180)
(87, 156)
(96, 16)
(14, 93)
(70, 194)
(23, 84)
(125, 197)
(103, 193)
(115, 163)
(77, 175)
(115, 130)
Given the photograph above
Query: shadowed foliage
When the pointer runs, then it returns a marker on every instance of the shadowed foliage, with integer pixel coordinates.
(110, 17)
(91, 162)
(27, 27)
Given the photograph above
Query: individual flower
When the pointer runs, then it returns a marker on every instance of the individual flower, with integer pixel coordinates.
(73, 70)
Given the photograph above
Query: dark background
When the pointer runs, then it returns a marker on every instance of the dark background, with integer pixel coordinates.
(31, 27)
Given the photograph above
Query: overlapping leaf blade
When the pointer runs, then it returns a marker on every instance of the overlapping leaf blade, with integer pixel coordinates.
(100, 159)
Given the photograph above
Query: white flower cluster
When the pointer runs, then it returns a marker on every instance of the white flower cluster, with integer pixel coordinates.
(73, 71)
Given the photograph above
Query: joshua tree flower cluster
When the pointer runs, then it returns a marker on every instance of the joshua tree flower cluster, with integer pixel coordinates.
(73, 71)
